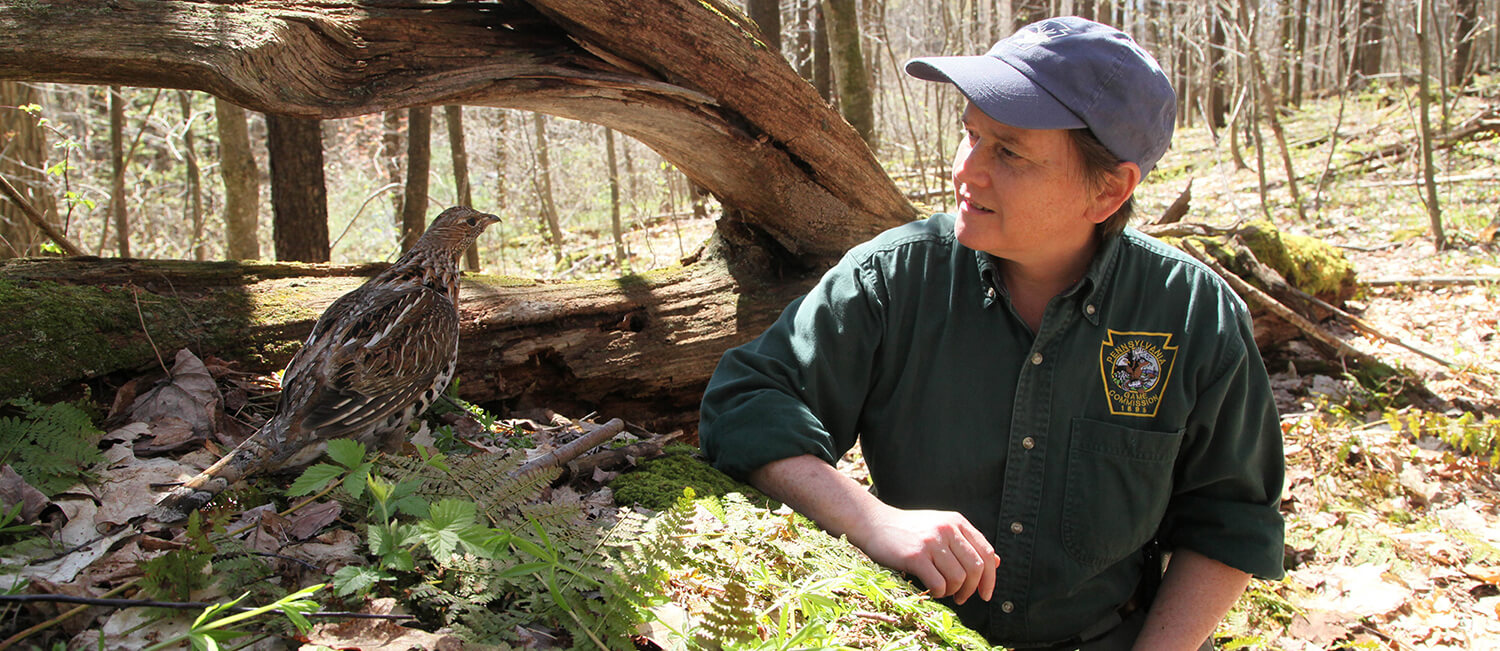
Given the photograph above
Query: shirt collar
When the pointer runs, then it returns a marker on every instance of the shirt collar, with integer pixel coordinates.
(1092, 287)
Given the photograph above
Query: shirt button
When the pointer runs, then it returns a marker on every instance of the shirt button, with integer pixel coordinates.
(1089, 309)
(1016, 528)
(1028, 443)
(1007, 607)
(1036, 358)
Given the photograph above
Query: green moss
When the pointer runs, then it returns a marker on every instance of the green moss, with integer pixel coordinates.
(64, 332)
(657, 483)
(1306, 262)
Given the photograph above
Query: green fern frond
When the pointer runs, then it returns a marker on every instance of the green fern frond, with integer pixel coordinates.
(51, 446)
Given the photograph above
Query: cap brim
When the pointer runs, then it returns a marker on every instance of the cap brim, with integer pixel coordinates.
(999, 90)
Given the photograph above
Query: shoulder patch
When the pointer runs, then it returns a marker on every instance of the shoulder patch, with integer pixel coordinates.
(1136, 367)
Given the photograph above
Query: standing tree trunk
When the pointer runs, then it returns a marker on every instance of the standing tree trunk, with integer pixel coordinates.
(1299, 52)
(767, 16)
(392, 155)
(502, 189)
(299, 194)
(614, 199)
(822, 67)
(241, 183)
(1466, 22)
(542, 182)
(117, 171)
(194, 181)
(1371, 36)
(1218, 66)
(1026, 12)
(455, 118)
(1269, 107)
(1424, 104)
(856, 99)
(23, 145)
(418, 164)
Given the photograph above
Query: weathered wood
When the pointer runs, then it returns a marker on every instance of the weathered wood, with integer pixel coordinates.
(688, 78)
(639, 348)
(36, 218)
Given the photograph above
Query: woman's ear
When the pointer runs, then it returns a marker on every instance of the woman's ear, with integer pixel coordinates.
(1114, 189)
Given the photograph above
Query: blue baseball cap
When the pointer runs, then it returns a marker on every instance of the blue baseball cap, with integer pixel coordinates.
(1069, 73)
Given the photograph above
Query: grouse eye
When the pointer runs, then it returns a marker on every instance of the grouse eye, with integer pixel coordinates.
(471, 221)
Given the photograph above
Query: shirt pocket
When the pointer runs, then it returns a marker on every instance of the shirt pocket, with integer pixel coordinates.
(1119, 481)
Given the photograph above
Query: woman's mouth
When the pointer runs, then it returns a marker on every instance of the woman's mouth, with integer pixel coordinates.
(970, 204)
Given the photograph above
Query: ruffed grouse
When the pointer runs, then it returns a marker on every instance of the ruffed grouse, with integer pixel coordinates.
(374, 361)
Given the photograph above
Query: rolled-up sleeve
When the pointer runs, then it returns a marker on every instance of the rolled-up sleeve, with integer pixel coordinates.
(1227, 496)
(800, 386)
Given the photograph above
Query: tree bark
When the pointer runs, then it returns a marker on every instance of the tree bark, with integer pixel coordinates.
(1269, 105)
(194, 201)
(678, 75)
(1425, 137)
(1218, 83)
(822, 65)
(1371, 36)
(392, 158)
(614, 199)
(542, 182)
(767, 16)
(299, 195)
(856, 98)
(1466, 21)
(24, 145)
(117, 209)
(241, 183)
(454, 117)
(418, 164)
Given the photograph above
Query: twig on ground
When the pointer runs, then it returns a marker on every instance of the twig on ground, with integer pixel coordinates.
(574, 448)
(1434, 281)
(1415, 391)
(584, 466)
(179, 605)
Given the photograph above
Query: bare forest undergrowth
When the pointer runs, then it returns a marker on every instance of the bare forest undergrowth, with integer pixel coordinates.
(1393, 534)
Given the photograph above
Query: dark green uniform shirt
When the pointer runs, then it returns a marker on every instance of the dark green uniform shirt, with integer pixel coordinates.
(1141, 408)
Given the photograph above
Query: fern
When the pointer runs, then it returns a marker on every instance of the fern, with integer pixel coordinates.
(52, 446)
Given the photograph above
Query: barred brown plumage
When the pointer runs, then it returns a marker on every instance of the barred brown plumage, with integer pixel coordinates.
(375, 360)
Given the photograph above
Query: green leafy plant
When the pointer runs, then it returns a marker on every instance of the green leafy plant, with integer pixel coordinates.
(214, 626)
(764, 580)
(51, 446)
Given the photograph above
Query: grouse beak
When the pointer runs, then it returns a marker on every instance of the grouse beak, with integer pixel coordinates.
(488, 220)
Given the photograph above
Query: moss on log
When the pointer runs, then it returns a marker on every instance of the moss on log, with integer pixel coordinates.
(639, 347)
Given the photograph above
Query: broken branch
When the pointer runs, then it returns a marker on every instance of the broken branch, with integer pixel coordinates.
(574, 448)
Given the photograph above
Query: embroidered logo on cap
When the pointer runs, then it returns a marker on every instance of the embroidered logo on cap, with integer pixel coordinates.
(1136, 367)
(1039, 33)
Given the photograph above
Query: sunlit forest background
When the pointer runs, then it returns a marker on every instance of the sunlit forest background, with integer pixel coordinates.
(165, 196)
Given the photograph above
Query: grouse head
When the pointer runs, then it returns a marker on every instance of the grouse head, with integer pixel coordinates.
(454, 230)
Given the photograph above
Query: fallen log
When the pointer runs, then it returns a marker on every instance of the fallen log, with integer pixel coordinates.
(641, 347)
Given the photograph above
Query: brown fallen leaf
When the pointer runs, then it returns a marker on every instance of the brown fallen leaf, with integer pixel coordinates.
(167, 434)
(311, 519)
(188, 393)
(14, 490)
(377, 634)
(1490, 575)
